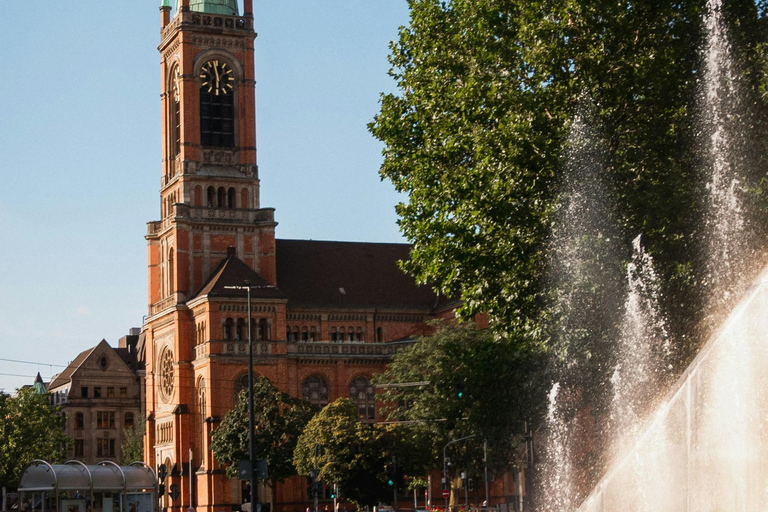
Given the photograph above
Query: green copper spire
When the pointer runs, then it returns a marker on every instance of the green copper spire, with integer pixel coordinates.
(228, 7)
(166, 3)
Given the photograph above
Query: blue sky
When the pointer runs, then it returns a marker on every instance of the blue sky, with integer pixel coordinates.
(80, 155)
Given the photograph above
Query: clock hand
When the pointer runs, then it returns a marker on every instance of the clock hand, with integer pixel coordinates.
(216, 69)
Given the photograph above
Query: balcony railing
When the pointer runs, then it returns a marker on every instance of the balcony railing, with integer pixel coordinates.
(330, 348)
(201, 213)
(232, 348)
(239, 23)
(298, 349)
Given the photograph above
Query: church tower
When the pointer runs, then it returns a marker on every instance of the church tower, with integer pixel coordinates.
(351, 308)
(212, 234)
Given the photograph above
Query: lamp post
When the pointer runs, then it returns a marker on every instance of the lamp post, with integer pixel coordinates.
(252, 479)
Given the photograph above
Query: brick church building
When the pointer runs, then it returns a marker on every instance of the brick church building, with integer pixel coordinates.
(326, 316)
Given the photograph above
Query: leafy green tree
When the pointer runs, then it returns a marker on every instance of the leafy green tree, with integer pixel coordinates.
(133, 441)
(476, 135)
(278, 421)
(478, 385)
(29, 429)
(354, 455)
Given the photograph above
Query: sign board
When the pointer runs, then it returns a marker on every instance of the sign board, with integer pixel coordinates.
(244, 469)
(446, 493)
(261, 469)
(175, 492)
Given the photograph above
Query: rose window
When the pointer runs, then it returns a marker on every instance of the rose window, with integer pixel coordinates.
(166, 373)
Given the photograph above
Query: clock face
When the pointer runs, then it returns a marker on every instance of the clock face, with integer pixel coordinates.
(216, 77)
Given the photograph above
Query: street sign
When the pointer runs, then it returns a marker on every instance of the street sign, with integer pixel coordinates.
(446, 493)
(244, 469)
(175, 492)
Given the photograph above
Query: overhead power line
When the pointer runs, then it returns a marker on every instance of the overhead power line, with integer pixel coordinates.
(31, 362)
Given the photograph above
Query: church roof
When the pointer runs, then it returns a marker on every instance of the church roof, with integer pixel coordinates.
(233, 272)
(349, 275)
(228, 7)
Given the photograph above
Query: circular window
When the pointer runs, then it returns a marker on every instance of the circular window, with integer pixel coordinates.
(166, 373)
(103, 363)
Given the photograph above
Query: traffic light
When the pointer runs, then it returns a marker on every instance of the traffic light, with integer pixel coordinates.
(391, 474)
(460, 389)
(471, 484)
(333, 492)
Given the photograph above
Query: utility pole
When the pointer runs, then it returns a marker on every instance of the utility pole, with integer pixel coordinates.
(485, 463)
(394, 464)
(315, 489)
(191, 505)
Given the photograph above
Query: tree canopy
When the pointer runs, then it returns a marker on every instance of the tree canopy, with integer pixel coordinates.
(29, 429)
(476, 134)
(278, 421)
(477, 385)
(354, 455)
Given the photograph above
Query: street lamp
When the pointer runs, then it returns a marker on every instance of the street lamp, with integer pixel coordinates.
(247, 287)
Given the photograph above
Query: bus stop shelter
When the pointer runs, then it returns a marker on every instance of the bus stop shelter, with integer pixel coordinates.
(76, 487)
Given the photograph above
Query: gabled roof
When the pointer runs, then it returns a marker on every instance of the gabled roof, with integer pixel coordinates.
(233, 272)
(66, 376)
(349, 275)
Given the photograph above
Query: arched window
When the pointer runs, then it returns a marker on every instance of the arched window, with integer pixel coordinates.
(211, 197)
(175, 111)
(351, 333)
(263, 330)
(304, 334)
(312, 334)
(171, 274)
(128, 422)
(334, 334)
(379, 334)
(229, 329)
(362, 393)
(217, 104)
(201, 414)
(231, 198)
(315, 390)
(221, 197)
(79, 421)
(238, 386)
(240, 330)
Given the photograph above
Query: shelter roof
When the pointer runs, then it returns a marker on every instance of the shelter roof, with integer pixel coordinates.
(74, 475)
